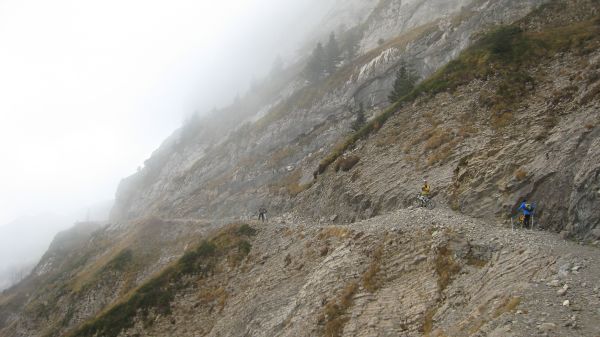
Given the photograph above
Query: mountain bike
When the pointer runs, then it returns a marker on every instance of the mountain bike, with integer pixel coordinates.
(423, 201)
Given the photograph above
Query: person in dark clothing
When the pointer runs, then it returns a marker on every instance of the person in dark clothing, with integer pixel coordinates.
(527, 209)
(261, 214)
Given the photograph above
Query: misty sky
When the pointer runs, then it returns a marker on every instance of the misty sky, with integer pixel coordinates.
(88, 89)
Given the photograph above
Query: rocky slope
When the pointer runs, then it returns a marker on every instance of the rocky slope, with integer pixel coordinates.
(530, 131)
(232, 177)
(514, 115)
(408, 273)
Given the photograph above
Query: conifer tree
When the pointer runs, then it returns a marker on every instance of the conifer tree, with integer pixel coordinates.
(316, 66)
(350, 43)
(360, 118)
(332, 53)
(406, 79)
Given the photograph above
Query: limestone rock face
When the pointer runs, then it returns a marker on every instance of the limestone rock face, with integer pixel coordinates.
(231, 176)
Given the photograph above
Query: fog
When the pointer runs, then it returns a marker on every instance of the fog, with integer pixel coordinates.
(90, 88)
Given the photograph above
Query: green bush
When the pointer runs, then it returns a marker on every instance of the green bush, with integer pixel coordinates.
(121, 261)
(246, 230)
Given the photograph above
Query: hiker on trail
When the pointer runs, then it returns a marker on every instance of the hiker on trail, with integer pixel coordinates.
(527, 209)
(261, 213)
(426, 189)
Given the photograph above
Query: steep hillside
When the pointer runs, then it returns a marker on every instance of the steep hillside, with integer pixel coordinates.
(408, 273)
(514, 114)
(263, 162)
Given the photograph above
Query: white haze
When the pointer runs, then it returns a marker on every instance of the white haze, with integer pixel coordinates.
(88, 89)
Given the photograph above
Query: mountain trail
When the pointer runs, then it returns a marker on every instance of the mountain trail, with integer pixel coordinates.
(412, 272)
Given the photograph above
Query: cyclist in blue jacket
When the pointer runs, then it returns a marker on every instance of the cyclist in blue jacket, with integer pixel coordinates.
(527, 209)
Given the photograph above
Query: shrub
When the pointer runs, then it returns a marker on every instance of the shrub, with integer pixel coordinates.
(246, 230)
(244, 248)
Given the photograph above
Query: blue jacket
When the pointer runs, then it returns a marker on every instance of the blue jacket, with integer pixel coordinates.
(524, 209)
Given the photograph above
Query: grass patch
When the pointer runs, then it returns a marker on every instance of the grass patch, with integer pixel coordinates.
(333, 315)
(437, 138)
(279, 156)
(520, 174)
(440, 155)
(370, 279)
(508, 305)
(291, 184)
(156, 295)
(333, 232)
(120, 262)
(427, 326)
(445, 267)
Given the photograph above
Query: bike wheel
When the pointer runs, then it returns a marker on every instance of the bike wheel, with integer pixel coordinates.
(430, 204)
(417, 202)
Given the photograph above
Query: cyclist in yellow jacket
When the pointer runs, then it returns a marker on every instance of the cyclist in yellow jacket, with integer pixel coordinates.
(426, 189)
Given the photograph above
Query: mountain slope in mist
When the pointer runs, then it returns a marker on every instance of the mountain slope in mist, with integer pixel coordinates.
(345, 253)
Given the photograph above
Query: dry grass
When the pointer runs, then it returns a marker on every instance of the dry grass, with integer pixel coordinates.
(438, 137)
(291, 184)
(593, 93)
(428, 320)
(210, 294)
(564, 94)
(346, 163)
(334, 232)
(445, 267)
(501, 119)
(508, 305)
(370, 279)
(520, 174)
(440, 155)
(475, 262)
(466, 130)
(387, 140)
(474, 325)
(334, 313)
(279, 156)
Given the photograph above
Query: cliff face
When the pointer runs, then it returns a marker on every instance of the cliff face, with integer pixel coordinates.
(514, 114)
(259, 163)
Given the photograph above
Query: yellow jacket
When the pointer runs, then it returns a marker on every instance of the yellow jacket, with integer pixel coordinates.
(425, 190)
